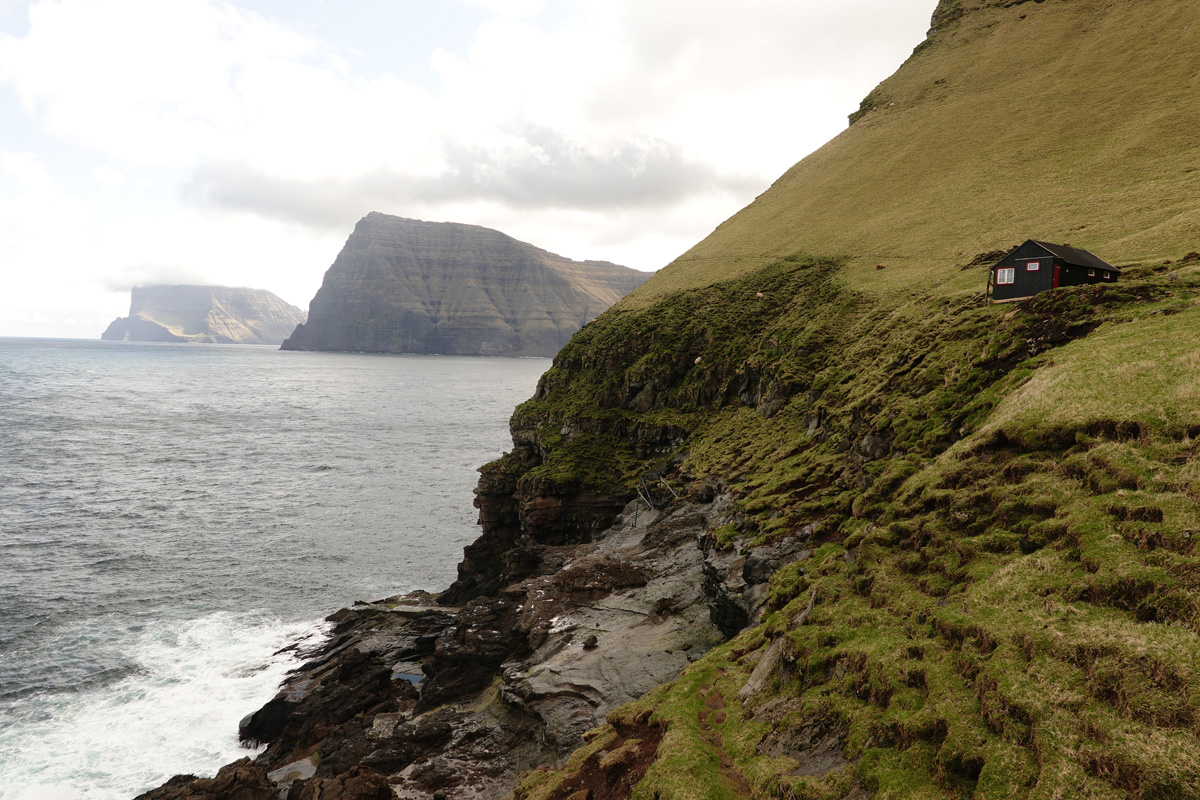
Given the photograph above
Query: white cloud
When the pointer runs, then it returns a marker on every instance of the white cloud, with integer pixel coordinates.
(144, 81)
(510, 8)
(32, 204)
(109, 176)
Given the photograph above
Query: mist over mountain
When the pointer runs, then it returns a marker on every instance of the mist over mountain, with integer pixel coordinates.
(212, 314)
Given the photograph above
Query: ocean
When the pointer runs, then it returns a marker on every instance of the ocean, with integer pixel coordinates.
(172, 516)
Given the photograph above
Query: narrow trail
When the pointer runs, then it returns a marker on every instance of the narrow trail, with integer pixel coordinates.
(712, 716)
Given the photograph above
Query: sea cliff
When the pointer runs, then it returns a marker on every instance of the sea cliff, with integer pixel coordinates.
(210, 314)
(410, 286)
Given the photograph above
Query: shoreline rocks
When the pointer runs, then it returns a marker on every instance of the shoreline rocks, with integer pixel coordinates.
(413, 700)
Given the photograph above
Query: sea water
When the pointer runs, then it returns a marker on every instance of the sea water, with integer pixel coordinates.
(173, 516)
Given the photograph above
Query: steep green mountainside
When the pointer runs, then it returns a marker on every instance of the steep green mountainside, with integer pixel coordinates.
(1069, 121)
(409, 286)
(1000, 595)
(211, 314)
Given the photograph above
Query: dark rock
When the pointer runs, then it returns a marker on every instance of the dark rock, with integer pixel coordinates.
(519, 518)
(357, 783)
(728, 615)
(355, 682)
(241, 780)
(412, 740)
(265, 725)
(468, 655)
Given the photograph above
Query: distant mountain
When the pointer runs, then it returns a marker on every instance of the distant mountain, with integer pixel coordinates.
(218, 314)
(408, 286)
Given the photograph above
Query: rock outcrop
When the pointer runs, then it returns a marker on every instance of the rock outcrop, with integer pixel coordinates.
(408, 286)
(212, 314)
(459, 702)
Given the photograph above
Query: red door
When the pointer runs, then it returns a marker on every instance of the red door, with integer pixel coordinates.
(1054, 284)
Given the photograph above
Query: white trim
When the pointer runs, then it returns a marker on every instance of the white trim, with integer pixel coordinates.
(1006, 276)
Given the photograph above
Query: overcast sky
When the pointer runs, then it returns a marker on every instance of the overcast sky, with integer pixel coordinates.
(236, 143)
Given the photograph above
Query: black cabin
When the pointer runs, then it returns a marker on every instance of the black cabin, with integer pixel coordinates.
(1037, 266)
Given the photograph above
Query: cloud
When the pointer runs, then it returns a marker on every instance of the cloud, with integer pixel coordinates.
(125, 279)
(32, 204)
(538, 169)
(612, 104)
(145, 81)
(510, 8)
(109, 177)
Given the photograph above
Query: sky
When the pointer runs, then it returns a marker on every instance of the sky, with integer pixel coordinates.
(237, 142)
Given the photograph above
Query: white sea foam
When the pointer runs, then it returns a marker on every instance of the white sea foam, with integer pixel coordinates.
(177, 713)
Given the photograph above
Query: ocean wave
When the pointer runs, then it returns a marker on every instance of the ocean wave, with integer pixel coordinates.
(175, 710)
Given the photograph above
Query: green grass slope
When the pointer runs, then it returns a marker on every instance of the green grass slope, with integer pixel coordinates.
(1066, 120)
(1001, 596)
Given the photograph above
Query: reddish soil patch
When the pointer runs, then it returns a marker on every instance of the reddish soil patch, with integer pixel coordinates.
(611, 774)
(712, 714)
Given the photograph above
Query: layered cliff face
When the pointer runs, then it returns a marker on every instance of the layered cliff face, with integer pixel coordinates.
(214, 314)
(951, 548)
(408, 286)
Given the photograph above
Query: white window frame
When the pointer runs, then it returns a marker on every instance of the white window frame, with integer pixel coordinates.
(1091, 273)
(1033, 266)
(1006, 276)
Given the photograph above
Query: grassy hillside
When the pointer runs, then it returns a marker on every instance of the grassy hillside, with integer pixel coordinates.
(1001, 595)
(1069, 121)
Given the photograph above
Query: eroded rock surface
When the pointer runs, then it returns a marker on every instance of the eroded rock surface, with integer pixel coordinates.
(419, 701)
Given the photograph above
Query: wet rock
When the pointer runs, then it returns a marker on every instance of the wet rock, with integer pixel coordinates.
(511, 680)
(357, 783)
(353, 683)
(265, 725)
(241, 780)
(736, 582)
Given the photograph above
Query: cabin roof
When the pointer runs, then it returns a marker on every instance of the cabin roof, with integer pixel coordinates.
(1072, 255)
(1076, 257)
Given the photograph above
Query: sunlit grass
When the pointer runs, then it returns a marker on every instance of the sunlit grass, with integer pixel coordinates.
(1012, 124)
